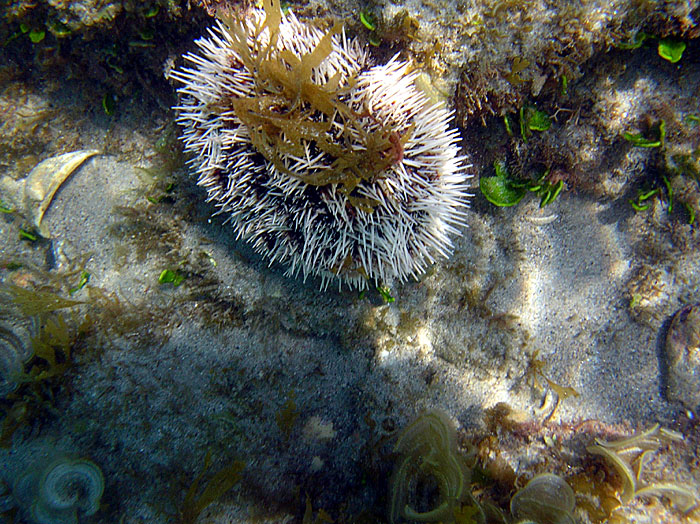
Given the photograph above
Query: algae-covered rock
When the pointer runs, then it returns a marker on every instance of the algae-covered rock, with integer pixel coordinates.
(682, 353)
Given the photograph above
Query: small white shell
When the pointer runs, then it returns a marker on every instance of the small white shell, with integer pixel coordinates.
(33, 194)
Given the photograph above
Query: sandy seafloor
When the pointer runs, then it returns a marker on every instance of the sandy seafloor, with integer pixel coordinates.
(306, 387)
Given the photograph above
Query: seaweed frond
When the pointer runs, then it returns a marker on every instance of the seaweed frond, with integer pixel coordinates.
(35, 302)
(217, 486)
(642, 445)
(427, 453)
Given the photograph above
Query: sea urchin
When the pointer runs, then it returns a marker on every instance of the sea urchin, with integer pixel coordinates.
(331, 165)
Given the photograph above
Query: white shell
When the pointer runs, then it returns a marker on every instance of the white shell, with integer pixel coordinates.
(32, 195)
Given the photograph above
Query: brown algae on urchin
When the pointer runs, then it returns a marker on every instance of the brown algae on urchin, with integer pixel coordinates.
(323, 161)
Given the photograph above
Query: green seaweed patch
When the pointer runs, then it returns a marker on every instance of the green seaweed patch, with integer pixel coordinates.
(141, 43)
(536, 120)
(84, 278)
(508, 125)
(58, 29)
(501, 190)
(28, 234)
(663, 191)
(113, 54)
(691, 213)
(506, 190)
(532, 119)
(642, 202)
(669, 192)
(564, 85)
(169, 276)
(158, 195)
(6, 208)
(368, 20)
(152, 11)
(639, 140)
(671, 50)
(545, 189)
(109, 104)
(23, 28)
(37, 35)
(146, 33)
(385, 293)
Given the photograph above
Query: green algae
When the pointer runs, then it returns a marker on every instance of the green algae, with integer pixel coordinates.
(169, 276)
(639, 140)
(671, 50)
(501, 190)
(506, 190)
(84, 279)
(533, 119)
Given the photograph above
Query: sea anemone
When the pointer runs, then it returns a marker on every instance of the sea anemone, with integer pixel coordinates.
(325, 162)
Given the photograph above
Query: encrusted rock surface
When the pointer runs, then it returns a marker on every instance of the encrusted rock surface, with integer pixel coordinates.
(682, 355)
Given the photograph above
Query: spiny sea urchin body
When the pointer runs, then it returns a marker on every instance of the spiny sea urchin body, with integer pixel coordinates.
(334, 167)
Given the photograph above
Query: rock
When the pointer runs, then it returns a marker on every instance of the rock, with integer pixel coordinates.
(682, 353)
